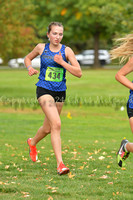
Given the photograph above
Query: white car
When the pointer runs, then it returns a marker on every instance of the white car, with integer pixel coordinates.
(19, 62)
(16, 62)
(36, 62)
(1, 60)
(87, 57)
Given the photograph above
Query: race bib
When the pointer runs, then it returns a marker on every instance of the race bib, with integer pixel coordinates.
(54, 74)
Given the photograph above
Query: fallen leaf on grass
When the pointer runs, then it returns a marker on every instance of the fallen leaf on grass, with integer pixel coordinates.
(108, 172)
(109, 156)
(108, 166)
(70, 175)
(94, 170)
(7, 166)
(81, 167)
(91, 175)
(44, 163)
(14, 165)
(97, 151)
(6, 184)
(117, 193)
(123, 168)
(38, 161)
(117, 172)
(110, 183)
(69, 115)
(24, 192)
(13, 182)
(23, 158)
(50, 198)
(90, 153)
(75, 154)
(53, 191)
(20, 170)
(26, 195)
(73, 165)
(85, 163)
(14, 177)
(45, 169)
(9, 145)
(51, 188)
(48, 187)
(113, 152)
(104, 177)
(101, 158)
(91, 158)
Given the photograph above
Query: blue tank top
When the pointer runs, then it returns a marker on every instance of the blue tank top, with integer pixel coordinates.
(52, 75)
(130, 100)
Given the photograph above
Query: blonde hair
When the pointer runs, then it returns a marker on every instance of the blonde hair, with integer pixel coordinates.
(124, 50)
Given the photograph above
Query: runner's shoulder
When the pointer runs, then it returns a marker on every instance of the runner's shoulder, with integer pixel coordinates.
(40, 47)
(68, 51)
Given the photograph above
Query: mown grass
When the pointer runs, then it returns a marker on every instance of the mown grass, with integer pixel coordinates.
(17, 83)
(96, 87)
(90, 140)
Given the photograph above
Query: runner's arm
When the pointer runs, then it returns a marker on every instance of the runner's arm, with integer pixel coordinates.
(35, 52)
(121, 74)
(74, 67)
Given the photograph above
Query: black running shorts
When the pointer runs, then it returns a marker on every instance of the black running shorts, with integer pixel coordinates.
(58, 96)
(129, 111)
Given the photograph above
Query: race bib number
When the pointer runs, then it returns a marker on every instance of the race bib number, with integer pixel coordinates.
(54, 74)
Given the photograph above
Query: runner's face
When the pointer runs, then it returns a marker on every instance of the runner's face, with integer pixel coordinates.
(56, 34)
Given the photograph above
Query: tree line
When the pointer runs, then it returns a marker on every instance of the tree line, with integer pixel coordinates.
(87, 24)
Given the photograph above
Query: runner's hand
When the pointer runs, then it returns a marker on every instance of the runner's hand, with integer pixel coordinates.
(58, 58)
(32, 71)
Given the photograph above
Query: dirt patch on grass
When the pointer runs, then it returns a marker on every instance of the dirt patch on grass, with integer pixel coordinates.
(25, 111)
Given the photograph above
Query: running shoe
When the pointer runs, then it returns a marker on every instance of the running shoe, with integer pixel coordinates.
(122, 154)
(32, 151)
(62, 169)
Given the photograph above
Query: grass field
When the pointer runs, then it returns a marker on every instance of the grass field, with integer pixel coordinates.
(90, 140)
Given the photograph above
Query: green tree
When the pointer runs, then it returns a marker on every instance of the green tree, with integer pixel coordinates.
(97, 19)
(16, 34)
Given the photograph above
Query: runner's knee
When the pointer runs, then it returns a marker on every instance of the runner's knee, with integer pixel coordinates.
(56, 125)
